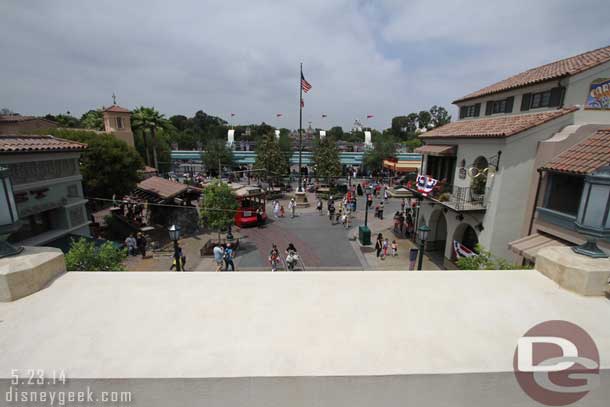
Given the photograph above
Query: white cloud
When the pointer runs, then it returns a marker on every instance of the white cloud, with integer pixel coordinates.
(380, 57)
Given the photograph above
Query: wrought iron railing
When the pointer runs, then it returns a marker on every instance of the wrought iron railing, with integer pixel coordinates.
(460, 198)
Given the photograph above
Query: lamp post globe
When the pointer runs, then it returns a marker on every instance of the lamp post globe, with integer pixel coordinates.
(174, 235)
(9, 217)
(593, 219)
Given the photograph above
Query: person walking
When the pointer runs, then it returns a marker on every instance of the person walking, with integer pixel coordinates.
(218, 256)
(259, 217)
(276, 208)
(274, 257)
(394, 248)
(292, 206)
(369, 200)
(331, 211)
(380, 214)
(386, 245)
(379, 245)
(319, 206)
(282, 211)
(141, 243)
(229, 254)
(132, 245)
(385, 194)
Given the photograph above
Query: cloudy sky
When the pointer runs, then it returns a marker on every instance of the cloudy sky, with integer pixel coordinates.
(380, 57)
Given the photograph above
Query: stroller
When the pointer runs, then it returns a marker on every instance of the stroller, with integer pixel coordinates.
(292, 259)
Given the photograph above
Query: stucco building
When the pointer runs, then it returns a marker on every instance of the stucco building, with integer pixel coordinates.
(117, 120)
(47, 186)
(487, 161)
(17, 124)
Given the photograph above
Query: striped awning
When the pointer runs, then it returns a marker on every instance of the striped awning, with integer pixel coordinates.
(403, 166)
(528, 246)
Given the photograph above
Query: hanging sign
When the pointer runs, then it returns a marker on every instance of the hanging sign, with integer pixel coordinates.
(599, 94)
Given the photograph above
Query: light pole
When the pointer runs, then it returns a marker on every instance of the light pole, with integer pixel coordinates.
(423, 236)
(9, 217)
(174, 235)
(364, 233)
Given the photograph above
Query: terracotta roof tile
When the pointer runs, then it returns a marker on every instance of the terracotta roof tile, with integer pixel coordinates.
(585, 157)
(554, 70)
(116, 109)
(25, 144)
(501, 126)
(437, 150)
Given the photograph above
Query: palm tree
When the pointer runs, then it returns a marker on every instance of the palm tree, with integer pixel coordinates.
(149, 119)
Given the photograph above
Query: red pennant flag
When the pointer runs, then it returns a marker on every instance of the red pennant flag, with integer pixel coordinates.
(369, 116)
(278, 115)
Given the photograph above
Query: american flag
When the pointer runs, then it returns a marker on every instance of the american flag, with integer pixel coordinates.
(304, 84)
(279, 114)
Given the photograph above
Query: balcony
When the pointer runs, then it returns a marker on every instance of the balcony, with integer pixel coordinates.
(458, 198)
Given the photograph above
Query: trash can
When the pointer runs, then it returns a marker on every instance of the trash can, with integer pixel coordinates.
(364, 235)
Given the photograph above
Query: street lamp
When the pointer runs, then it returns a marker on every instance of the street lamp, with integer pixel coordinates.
(364, 233)
(9, 217)
(174, 235)
(593, 220)
(423, 236)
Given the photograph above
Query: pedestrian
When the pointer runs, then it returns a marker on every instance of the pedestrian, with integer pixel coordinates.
(386, 245)
(292, 206)
(132, 245)
(381, 210)
(359, 190)
(319, 206)
(379, 245)
(218, 256)
(331, 211)
(228, 257)
(377, 210)
(179, 264)
(402, 205)
(385, 194)
(369, 200)
(394, 248)
(259, 217)
(141, 243)
(282, 211)
(276, 208)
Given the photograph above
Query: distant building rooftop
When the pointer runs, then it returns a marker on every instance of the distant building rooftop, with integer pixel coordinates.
(116, 109)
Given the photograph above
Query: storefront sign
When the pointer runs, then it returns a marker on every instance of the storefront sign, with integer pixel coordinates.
(599, 94)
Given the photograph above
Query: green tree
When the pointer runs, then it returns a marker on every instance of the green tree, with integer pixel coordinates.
(413, 143)
(336, 132)
(93, 119)
(424, 118)
(326, 159)
(219, 206)
(270, 158)
(383, 148)
(64, 120)
(147, 119)
(85, 256)
(440, 116)
(285, 142)
(217, 155)
(484, 260)
(109, 166)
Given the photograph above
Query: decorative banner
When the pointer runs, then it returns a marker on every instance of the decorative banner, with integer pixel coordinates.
(425, 184)
(277, 134)
(322, 133)
(462, 251)
(599, 94)
(367, 138)
(230, 137)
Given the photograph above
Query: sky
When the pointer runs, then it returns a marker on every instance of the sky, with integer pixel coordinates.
(363, 57)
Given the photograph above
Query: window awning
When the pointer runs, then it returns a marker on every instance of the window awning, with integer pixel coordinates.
(402, 166)
(528, 246)
(437, 150)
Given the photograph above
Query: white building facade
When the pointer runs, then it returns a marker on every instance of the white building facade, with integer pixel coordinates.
(486, 161)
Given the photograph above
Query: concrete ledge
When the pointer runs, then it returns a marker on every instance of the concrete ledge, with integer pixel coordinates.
(29, 272)
(581, 274)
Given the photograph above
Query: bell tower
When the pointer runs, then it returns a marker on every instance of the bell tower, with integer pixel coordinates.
(117, 121)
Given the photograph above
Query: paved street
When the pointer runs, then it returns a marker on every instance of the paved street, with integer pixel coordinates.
(321, 245)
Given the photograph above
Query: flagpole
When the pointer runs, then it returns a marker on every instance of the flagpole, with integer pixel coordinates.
(300, 127)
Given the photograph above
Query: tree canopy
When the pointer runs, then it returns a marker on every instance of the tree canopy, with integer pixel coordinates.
(326, 159)
(383, 148)
(93, 119)
(271, 158)
(218, 207)
(217, 154)
(109, 166)
(85, 256)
